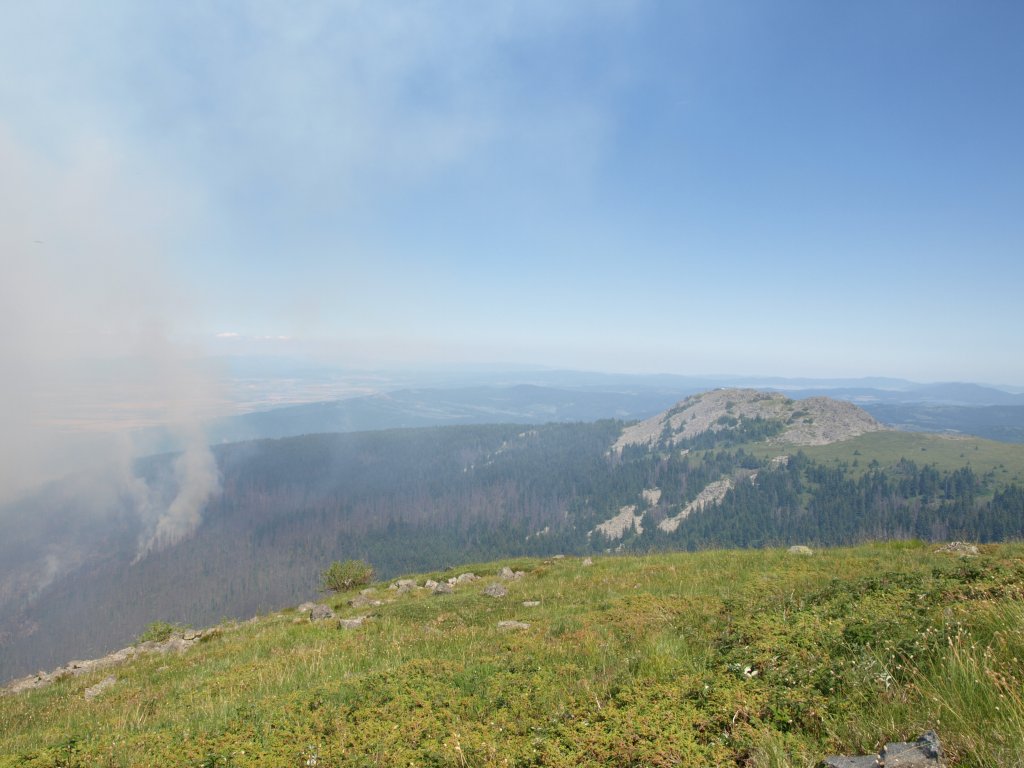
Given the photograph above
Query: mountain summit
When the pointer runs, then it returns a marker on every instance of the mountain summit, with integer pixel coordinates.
(814, 421)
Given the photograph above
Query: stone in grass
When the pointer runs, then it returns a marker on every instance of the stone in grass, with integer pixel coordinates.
(364, 601)
(842, 761)
(443, 588)
(587, 561)
(462, 578)
(531, 603)
(352, 623)
(923, 753)
(510, 624)
(800, 549)
(306, 607)
(93, 691)
(321, 612)
(495, 590)
(961, 548)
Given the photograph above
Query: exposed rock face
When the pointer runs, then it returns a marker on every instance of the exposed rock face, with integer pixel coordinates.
(814, 421)
(712, 494)
(616, 527)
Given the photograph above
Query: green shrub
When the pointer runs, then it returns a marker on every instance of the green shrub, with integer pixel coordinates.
(340, 577)
(157, 631)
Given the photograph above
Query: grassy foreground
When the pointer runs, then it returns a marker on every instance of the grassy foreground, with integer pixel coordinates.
(757, 658)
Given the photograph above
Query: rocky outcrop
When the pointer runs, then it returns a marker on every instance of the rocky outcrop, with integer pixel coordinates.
(711, 494)
(814, 421)
(616, 527)
(176, 643)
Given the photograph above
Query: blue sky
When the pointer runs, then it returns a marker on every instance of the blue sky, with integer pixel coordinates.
(786, 188)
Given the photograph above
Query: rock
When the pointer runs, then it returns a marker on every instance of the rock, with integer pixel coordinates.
(363, 601)
(800, 549)
(429, 584)
(443, 589)
(495, 590)
(463, 578)
(923, 753)
(509, 624)
(531, 603)
(961, 548)
(404, 585)
(352, 623)
(558, 557)
(587, 562)
(321, 612)
(306, 607)
(506, 573)
(95, 690)
(862, 761)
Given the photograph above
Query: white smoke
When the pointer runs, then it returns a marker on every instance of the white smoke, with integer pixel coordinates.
(89, 310)
(196, 479)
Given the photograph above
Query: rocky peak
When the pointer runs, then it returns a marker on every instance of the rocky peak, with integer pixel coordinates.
(813, 421)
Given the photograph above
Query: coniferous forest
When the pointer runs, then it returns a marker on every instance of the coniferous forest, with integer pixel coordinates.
(423, 499)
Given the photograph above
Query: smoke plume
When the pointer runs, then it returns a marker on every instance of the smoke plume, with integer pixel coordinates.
(89, 313)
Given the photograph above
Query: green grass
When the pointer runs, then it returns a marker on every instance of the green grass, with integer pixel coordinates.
(753, 658)
(1005, 460)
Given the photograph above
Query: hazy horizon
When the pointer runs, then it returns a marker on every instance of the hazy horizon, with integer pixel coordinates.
(794, 189)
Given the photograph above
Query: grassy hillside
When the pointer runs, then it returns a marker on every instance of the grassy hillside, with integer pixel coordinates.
(947, 452)
(755, 658)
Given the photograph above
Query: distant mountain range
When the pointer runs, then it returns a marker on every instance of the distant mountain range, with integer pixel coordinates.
(568, 396)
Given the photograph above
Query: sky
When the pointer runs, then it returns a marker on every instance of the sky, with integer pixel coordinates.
(787, 188)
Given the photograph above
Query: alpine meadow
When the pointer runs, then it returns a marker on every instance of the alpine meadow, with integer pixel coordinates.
(514, 384)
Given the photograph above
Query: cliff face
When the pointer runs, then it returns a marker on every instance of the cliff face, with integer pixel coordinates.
(814, 421)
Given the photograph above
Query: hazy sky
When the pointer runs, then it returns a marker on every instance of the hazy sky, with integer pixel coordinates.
(789, 188)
